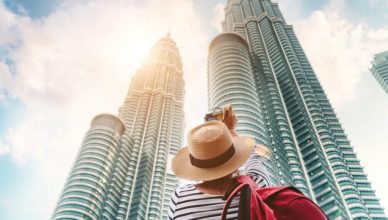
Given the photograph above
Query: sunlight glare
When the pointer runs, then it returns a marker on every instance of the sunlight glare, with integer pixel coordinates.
(134, 49)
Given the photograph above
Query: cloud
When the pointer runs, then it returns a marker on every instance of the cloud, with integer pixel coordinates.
(339, 50)
(4, 149)
(378, 3)
(5, 203)
(5, 80)
(7, 25)
(78, 62)
(218, 16)
(27, 140)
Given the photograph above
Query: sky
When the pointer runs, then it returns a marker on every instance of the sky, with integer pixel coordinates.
(63, 62)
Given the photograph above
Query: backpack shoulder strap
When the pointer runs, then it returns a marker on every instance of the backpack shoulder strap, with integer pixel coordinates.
(246, 179)
(230, 199)
(257, 209)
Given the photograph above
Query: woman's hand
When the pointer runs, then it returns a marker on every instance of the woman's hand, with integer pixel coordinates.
(230, 119)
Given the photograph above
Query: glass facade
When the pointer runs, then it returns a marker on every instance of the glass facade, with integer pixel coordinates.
(122, 171)
(258, 66)
(94, 183)
(380, 69)
(153, 114)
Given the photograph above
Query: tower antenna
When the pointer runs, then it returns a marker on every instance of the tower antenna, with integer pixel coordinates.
(169, 29)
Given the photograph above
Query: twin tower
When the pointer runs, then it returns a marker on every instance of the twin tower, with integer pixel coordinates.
(122, 170)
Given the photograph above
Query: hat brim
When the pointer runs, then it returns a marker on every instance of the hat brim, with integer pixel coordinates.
(183, 168)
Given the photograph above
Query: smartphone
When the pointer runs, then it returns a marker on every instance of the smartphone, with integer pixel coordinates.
(216, 115)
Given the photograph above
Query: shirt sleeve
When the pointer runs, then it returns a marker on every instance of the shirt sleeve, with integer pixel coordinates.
(173, 204)
(255, 168)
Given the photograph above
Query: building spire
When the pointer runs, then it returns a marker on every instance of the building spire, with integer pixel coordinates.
(169, 30)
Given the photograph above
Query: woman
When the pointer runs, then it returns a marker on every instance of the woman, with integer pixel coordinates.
(212, 158)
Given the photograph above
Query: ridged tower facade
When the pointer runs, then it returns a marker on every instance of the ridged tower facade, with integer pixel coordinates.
(153, 114)
(380, 69)
(259, 67)
(122, 170)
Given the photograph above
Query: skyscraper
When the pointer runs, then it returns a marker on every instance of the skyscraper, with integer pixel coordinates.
(380, 69)
(259, 67)
(121, 170)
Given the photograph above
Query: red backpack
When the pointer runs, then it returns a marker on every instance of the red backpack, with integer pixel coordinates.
(271, 203)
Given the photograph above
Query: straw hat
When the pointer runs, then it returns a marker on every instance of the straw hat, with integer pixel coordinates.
(211, 153)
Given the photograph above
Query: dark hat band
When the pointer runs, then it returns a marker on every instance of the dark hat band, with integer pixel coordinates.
(210, 163)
